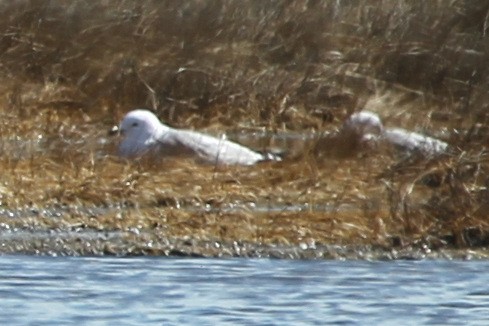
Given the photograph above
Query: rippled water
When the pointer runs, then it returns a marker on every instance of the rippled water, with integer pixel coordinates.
(170, 291)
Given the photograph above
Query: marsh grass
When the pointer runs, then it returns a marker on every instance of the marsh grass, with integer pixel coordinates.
(71, 70)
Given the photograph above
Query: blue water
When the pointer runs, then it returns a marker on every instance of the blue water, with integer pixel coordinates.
(170, 291)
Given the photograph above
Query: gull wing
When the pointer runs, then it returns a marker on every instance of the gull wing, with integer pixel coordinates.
(212, 149)
(414, 142)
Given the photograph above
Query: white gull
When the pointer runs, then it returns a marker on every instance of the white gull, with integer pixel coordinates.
(368, 128)
(144, 134)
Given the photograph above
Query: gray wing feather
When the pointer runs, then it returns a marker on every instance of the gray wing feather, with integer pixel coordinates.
(209, 148)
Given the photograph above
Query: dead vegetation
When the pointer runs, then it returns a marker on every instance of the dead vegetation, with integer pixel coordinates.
(70, 70)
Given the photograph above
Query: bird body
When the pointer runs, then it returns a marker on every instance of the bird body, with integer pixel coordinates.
(367, 128)
(144, 134)
(414, 142)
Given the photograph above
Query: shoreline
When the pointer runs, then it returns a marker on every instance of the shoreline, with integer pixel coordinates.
(128, 244)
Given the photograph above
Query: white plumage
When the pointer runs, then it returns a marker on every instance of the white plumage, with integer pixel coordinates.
(367, 127)
(144, 134)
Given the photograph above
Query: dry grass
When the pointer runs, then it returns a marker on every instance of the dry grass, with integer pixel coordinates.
(70, 70)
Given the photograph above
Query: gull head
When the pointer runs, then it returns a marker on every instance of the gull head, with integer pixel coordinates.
(361, 124)
(140, 130)
(362, 129)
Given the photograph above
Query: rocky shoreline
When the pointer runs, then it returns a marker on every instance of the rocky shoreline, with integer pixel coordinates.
(124, 244)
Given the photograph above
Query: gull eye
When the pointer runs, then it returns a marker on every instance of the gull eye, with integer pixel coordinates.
(134, 124)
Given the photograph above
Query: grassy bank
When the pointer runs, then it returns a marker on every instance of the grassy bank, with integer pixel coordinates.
(70, 70)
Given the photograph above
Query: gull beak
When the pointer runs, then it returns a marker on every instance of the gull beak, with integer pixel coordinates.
(115, 130)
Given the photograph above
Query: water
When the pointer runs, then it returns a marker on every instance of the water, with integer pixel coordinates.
(170, 291)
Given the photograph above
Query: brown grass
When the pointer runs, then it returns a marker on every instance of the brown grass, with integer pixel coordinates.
(71, 69)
